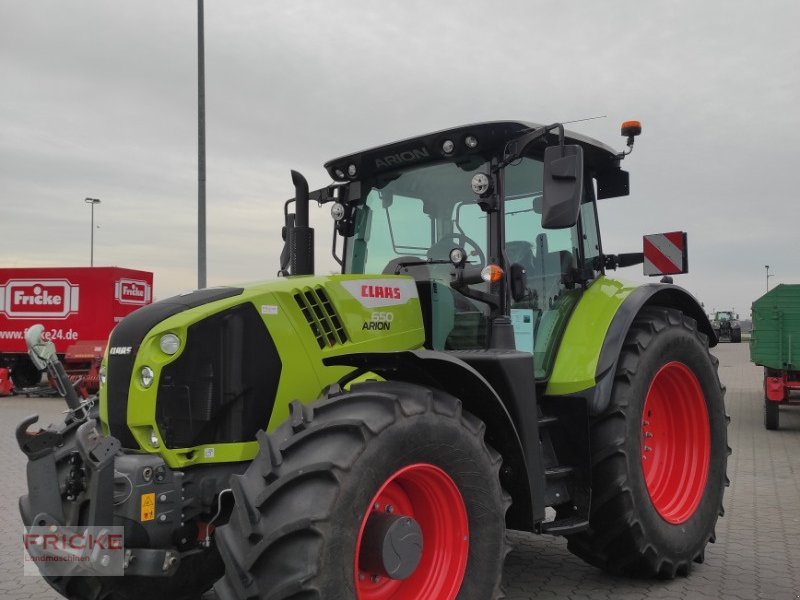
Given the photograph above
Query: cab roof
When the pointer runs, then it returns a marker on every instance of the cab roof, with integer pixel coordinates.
(489, 140)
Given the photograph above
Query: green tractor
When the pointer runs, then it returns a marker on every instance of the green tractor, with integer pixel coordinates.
(373, 434)
(727, 326)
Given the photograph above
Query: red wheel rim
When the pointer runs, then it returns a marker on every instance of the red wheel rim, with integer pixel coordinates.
(676, 442)
(428, 495)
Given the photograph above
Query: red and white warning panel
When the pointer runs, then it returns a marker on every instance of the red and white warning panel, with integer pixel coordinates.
(666, 253)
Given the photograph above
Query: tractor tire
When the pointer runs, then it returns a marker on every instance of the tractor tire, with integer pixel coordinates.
(667, 407)
(315, 512)
(772, 415)
(195, 576)
(736, 336)
(772, 411)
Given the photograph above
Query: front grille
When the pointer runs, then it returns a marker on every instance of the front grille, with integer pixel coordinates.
(325, 324)
(221, 389)
(128, 334)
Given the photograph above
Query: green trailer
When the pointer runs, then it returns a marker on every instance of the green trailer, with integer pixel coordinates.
(775, 345)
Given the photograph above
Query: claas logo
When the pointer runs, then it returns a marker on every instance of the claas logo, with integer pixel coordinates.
(38, 298)
(380, 291)
(132, 291)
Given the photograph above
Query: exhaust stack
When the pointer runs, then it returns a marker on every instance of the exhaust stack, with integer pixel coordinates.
(301, 236)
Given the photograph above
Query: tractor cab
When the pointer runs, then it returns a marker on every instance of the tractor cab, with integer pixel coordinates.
(496, 222)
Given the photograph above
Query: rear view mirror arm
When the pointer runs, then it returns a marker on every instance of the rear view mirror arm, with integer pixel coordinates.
(526, 139)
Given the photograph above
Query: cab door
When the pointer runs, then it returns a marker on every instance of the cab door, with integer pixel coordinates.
(555, 260)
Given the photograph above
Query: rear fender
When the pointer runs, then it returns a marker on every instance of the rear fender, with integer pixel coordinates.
(654, 294)
(590, 347)
(522, 475)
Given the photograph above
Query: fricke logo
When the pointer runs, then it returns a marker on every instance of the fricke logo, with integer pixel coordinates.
(132, 291)
(38, 298)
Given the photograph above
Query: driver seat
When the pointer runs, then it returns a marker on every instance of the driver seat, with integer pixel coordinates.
(521, 252)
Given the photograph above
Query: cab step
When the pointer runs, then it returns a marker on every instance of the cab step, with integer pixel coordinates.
(558, 472)
(566, 526)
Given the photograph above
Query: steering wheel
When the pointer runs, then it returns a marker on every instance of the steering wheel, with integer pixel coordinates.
(441, 249)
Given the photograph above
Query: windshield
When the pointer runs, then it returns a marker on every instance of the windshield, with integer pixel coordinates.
(724, 316)
(418, 215)
(407, 224)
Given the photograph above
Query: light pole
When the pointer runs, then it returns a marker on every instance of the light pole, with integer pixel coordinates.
(92, 201)
(768, 275)
(201, 150)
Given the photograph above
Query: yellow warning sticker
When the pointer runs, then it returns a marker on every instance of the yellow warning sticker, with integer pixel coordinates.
(148, 507)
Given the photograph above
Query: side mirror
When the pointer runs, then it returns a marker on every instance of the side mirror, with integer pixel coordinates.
(563, 186)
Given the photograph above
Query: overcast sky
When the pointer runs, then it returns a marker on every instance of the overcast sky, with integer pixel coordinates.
(99, 99)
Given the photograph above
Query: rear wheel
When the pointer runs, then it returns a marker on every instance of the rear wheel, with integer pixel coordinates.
(387, 491)
(659, 453)
(772, 415)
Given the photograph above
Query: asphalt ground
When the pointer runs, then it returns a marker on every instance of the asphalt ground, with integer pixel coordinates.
(757, 553)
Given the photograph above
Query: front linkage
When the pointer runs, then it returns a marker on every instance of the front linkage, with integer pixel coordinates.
(79, 477)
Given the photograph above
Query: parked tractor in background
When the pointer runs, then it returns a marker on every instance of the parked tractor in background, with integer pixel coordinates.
(775, 345)
(727, 327)
(373, 434)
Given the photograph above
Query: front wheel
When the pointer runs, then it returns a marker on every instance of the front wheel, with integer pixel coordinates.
(387, 491)
(659, 453)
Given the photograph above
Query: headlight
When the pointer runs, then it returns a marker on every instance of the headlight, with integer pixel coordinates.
(146, 377)
(169, 343)
(153, 438)
(481, 184)
(457, 256)
(337, 211)
(102, 375)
